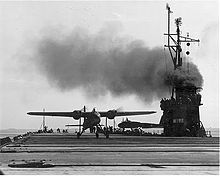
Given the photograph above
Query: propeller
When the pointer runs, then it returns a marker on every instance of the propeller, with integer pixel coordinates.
(119, 109)
(84, 109)
(77, 113)
(112, 113)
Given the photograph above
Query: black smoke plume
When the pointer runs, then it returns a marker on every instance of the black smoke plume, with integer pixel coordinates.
(106, 63)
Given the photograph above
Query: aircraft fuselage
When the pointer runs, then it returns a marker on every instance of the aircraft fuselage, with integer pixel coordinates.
(92, 120)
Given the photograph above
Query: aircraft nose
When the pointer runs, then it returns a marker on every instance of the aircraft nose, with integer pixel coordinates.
(96, 121)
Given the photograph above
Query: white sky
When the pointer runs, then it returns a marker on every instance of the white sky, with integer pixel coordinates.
(21, 23)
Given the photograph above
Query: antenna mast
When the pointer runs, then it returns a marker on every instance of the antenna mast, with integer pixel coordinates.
(174, 41)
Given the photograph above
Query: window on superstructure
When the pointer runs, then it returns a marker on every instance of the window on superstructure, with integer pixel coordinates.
(178, 120)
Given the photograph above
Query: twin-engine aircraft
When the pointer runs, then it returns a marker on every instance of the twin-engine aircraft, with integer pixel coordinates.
(91, 119)
(132, 124)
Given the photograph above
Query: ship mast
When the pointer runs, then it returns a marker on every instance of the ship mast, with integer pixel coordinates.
(174, 41)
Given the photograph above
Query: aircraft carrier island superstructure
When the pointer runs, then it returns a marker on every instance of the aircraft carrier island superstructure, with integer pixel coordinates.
(181, 112)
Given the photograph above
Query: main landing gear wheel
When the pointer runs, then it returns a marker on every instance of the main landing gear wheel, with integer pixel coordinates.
(78, 135)
(97, 135)
(107, 135)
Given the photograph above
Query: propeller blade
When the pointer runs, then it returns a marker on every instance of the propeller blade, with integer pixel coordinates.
(84, 109)
(119, 109)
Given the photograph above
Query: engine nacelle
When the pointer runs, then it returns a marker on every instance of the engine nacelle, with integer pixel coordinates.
(111, 114)
(77, 114)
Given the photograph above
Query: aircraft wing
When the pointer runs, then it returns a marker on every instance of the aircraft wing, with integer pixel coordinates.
(58, 114)
(127, 113)
(86, 114)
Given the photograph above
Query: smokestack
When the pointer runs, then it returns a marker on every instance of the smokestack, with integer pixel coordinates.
(106, 63)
